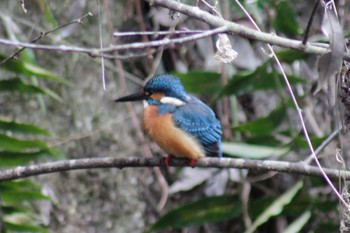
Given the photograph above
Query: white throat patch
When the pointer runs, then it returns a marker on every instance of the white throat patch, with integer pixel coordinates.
(145, 103)
(172, 101)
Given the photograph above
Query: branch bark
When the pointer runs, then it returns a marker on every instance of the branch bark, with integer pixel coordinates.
(298, 168)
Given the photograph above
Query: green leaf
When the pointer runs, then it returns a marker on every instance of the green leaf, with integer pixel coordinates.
(300, 141)
(199, 82)
(6, 210)
(286, 19)
(276, 207)
(22, 128)
(49, 15)
(17, 85)
(11, 227)
(14, 196)
(20, 145)
(10, 159)
(264, 125)
(289, 55)
(265, 140)
(305, 201)
(249, 151)
(209, 209)
(19, 184)
(299, 223)
(27, 69)
(260, 79)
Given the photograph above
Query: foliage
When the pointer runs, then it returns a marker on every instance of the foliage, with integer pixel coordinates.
(22, 143)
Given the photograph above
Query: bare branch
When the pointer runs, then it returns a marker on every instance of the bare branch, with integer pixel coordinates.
(157, 33)
(101, 52)
(298, 168)
(243, 30)
(45, 34)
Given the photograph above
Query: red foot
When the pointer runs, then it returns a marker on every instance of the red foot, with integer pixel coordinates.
(168, 159)
(192, 163)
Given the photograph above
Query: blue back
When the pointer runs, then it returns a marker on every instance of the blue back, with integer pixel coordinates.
(199, 120)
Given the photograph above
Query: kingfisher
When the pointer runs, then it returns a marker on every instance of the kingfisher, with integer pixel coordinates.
(181, 124)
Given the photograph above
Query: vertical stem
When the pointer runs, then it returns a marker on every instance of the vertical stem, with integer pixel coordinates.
(307, 30)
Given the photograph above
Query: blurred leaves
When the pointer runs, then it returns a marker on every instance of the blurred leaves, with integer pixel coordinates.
(289, 56)
(28, 69)
(21, 143)
(16, 145)
(22, 128)
(11, 159)
(18, 86)
(299, 223)
(264, 125)
(209, 209)
(15, 224)
(15, 196)
(276, 207)
(286, 19)
(200, 82)
(259, 79)
(249, 151)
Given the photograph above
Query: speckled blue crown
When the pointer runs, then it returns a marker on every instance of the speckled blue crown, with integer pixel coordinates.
(167, 84)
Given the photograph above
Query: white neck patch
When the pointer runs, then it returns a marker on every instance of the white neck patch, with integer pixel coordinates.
(145, 103)
(172, 101)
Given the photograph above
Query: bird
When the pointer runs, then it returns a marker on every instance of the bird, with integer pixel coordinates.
(181, 124)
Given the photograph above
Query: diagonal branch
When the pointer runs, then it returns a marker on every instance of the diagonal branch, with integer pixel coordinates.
(79, 20)
(298, 168)
(243, 30)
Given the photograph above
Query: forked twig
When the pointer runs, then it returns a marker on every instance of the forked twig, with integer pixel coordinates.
(13, 55)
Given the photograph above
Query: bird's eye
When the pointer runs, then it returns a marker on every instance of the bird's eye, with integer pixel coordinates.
(147, 93)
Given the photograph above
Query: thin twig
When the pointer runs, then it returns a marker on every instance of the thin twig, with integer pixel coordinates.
(297, 168)
(157, 33)
(45, 34)
(308, 27)
(323, 145)
(103, 70)
(100, 52)
(143, 28)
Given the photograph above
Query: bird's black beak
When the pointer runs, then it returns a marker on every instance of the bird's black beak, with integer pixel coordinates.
(132, 97)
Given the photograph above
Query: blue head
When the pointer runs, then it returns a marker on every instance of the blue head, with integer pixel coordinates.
(161, 89)
(165, 85)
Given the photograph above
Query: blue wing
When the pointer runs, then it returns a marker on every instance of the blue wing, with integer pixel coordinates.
(199, 120)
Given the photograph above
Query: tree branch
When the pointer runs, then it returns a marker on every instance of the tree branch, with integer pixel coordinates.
(298, 168)
(94, 52)
(244, 31)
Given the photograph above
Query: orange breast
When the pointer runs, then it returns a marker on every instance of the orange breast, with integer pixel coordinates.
(163, 131)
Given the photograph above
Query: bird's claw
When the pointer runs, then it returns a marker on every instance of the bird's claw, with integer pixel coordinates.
(168, 159)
